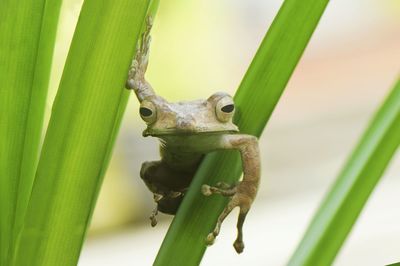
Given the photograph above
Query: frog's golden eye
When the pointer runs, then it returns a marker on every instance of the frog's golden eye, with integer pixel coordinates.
(148, 112)
(225, 109)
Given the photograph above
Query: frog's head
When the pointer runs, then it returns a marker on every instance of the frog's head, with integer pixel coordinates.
(193, 117)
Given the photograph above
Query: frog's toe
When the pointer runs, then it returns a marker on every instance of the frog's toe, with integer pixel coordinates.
(210, 239)
(174, 194)
(220, 188)
(153, 217)
(153, 221)
(239, 246)
(206, 190)
(223, 185)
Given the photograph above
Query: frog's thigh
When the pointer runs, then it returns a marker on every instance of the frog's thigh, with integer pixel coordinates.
(162, 179)
(155, 175)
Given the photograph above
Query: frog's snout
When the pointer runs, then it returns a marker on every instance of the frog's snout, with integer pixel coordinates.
(185, 123)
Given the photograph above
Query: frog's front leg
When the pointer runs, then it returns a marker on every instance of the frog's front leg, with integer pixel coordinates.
(242, 194)
(136, 80)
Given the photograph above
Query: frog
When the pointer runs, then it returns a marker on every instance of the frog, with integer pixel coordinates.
(187, 131)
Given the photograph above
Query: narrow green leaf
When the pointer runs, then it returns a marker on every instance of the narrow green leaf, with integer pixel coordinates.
(255, 99)
(153, 7)
(34, 122)
(84, 123)
(26, 46)
(346, 199)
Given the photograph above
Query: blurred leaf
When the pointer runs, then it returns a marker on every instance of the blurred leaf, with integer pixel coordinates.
(255, 99)
(346, 199)
(84, 123)
(27, 36)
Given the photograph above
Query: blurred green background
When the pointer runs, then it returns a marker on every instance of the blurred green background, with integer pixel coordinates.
(200, 47)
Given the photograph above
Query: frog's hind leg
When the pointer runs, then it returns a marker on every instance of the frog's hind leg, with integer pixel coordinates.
(168, 187)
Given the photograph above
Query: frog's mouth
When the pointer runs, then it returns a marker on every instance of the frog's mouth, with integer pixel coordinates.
(174, 132)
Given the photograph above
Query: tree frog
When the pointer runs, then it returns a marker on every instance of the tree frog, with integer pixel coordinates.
(188, 130)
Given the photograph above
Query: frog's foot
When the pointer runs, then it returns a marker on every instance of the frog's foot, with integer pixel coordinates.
(153, 216)
(157, 199)
(238, 198)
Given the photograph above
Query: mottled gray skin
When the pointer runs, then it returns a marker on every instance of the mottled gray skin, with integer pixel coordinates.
(187, 131)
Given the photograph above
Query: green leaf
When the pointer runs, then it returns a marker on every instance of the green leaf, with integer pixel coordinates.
(255, 99)
(27, 36)
(36, 110)
(348, 195)
(84, 122)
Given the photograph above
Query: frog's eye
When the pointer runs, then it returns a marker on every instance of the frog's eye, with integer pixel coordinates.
(148, 112)
(225, 109)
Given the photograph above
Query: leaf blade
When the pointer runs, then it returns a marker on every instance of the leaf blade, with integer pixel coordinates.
(344, 202)
(36, 111)
(85, 118)
(259, 91)
(26, 53)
